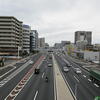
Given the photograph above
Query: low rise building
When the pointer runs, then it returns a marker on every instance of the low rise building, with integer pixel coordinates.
(87, 55)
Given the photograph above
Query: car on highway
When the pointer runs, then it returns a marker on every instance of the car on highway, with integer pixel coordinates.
(36, 71)
(65, 69)
(68, 65)
(50, 65)
(77, 70)
(31, 62)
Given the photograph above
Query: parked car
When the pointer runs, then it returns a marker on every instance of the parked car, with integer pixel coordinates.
(77, 70)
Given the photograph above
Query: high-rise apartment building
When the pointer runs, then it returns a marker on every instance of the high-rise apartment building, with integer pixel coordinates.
(41, 42)
(83, 39)
(10, 35)
(26, 38)
(33, 40)
(83, 36)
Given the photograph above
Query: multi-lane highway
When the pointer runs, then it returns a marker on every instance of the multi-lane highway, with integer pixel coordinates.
(18, 82)
(80, 84)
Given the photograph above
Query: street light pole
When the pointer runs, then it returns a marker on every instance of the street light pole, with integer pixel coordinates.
(99, 56)
(19, 48)
(18, 52)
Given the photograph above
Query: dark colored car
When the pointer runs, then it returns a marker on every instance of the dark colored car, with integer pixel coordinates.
(37, 71)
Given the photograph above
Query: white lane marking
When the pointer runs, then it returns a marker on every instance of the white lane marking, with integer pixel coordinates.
(35, 95)
(15, 72)
(21, 87)
(76, 79)
(42, 75)
(7, 72)
(84, 76)
(96, 85)
(65, 81)
(89, 80)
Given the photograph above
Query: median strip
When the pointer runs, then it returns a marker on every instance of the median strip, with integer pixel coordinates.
(62, 90)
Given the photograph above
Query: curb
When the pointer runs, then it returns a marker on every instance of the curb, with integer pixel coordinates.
(55, 90)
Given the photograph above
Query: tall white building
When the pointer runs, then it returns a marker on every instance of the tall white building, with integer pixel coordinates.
(26, 38)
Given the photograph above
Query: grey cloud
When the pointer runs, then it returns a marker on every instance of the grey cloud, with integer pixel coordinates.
(53, 18)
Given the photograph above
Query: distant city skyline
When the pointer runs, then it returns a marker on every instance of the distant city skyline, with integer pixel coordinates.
(56, 20)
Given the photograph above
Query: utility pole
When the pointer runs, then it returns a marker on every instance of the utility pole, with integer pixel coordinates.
(18, 52)
(99, 56)
(19, 48)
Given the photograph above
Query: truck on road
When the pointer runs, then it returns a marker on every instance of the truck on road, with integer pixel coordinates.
(95, 75)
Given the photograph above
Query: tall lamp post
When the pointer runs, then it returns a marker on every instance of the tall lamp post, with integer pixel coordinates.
(99, 56)
(19, 48)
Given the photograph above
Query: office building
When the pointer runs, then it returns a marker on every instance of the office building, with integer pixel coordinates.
(64, 43)
(33, 40)
(83, 36)
(10, 35)
(57, 46)
(46, 46)
(26, 38)
(41, 42)
(82, 39)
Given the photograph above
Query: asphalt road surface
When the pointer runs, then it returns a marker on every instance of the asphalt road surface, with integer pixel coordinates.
(36, 88)
(81, 84)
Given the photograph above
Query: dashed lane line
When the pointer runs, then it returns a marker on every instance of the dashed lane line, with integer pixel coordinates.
(35, 95)
(42, 75)
(76, 79)
(89, 80)
(96, 85)
(12, 95)
(84, 76)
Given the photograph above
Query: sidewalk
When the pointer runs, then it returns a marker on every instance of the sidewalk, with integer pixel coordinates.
(12, 62)
(61, 89)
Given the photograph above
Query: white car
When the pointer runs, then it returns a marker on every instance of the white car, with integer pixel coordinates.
(77, 70)
(65, 69)
(31, 62)
(49, 65)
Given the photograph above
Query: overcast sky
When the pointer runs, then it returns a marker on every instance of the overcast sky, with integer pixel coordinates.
(56, 20)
